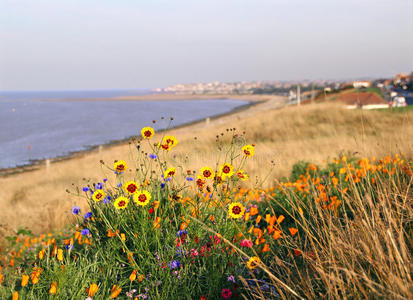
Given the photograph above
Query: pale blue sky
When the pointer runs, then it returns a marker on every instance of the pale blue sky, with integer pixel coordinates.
(91, 44)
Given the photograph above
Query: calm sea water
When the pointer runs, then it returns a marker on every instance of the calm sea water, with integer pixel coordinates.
(32, 127)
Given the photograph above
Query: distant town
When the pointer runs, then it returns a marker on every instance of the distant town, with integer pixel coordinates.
(396, 91)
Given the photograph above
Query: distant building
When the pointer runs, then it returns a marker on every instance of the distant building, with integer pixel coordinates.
(361, 84)
(363, 100)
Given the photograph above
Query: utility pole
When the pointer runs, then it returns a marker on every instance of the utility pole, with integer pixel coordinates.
(298, 94)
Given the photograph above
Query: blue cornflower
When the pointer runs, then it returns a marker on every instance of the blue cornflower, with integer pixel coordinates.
(85, 231)
(162, 185)
(180, 252)
(75, 210)
(99, 186)
(251, 282)
(85, 189)
(105, 179)
(181, 232)
(153, 156)
(168, 179)
(189, 178)
(175, 264)
(88, 215)
(107, 199)
(69, 246)
(120, 184)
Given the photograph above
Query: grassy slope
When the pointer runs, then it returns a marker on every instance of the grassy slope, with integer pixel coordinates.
(312, 132)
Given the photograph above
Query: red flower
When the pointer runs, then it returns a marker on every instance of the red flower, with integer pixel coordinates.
(246, 243)
(151, 210)
(226, 293)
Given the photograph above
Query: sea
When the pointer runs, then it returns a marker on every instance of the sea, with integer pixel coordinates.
(48, 124)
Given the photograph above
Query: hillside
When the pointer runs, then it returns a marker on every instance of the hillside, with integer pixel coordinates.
(311, 132)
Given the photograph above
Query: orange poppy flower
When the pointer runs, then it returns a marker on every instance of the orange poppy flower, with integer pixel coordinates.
(115, 291)
(277, 234)
(92, 289)
(266, 248)
(293, 231)
(25, 280)
(53, 288)
(132, 276)
(253, 211)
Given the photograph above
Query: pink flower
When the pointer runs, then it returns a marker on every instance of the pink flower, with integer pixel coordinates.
(246, 243)
(226, 293)
(194, 253)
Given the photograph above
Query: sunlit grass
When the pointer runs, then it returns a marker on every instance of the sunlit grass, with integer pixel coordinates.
(156, 227)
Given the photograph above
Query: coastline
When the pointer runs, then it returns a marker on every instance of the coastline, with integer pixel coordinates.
(37, 164)
(167, 97)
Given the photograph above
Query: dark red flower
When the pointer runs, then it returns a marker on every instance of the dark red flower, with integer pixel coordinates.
(226, 293)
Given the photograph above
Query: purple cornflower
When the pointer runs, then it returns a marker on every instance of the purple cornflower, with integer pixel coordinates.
(189, 178)
(85, 231)
(152, 156)
(85, 189)
(88, 215)
(175, 264)
(99, 186)
(231, 279)
(75, 210)
(120, 184)
(105, 179)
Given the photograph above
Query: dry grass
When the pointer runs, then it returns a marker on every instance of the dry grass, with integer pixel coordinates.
(363, 253)
(312, 132)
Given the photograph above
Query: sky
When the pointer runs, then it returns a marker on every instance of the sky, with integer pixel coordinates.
(115, 44)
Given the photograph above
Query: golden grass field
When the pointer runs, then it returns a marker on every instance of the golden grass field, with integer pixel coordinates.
(314, 132)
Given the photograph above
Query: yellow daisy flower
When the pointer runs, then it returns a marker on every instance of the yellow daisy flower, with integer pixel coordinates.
(169, 173)
(253, 262)
(98, 195)
(130, 187)
(147, 132)
(207, 173)
(121, 202)
(120, 166)
(226, 170)
(142, 197)
(248, 150)
(236, 210)
(242, 175)
(168, 142)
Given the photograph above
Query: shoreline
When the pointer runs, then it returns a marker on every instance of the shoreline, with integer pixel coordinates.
(167, 97)
(38, 163)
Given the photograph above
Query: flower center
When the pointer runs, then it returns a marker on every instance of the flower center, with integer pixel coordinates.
(131, 188)
(147, 133)
(98, 196)
(207, 173)
(236, 210)
(120, 167)
(247, 153)
(122, 203)
(142, 198)
(226, 169)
